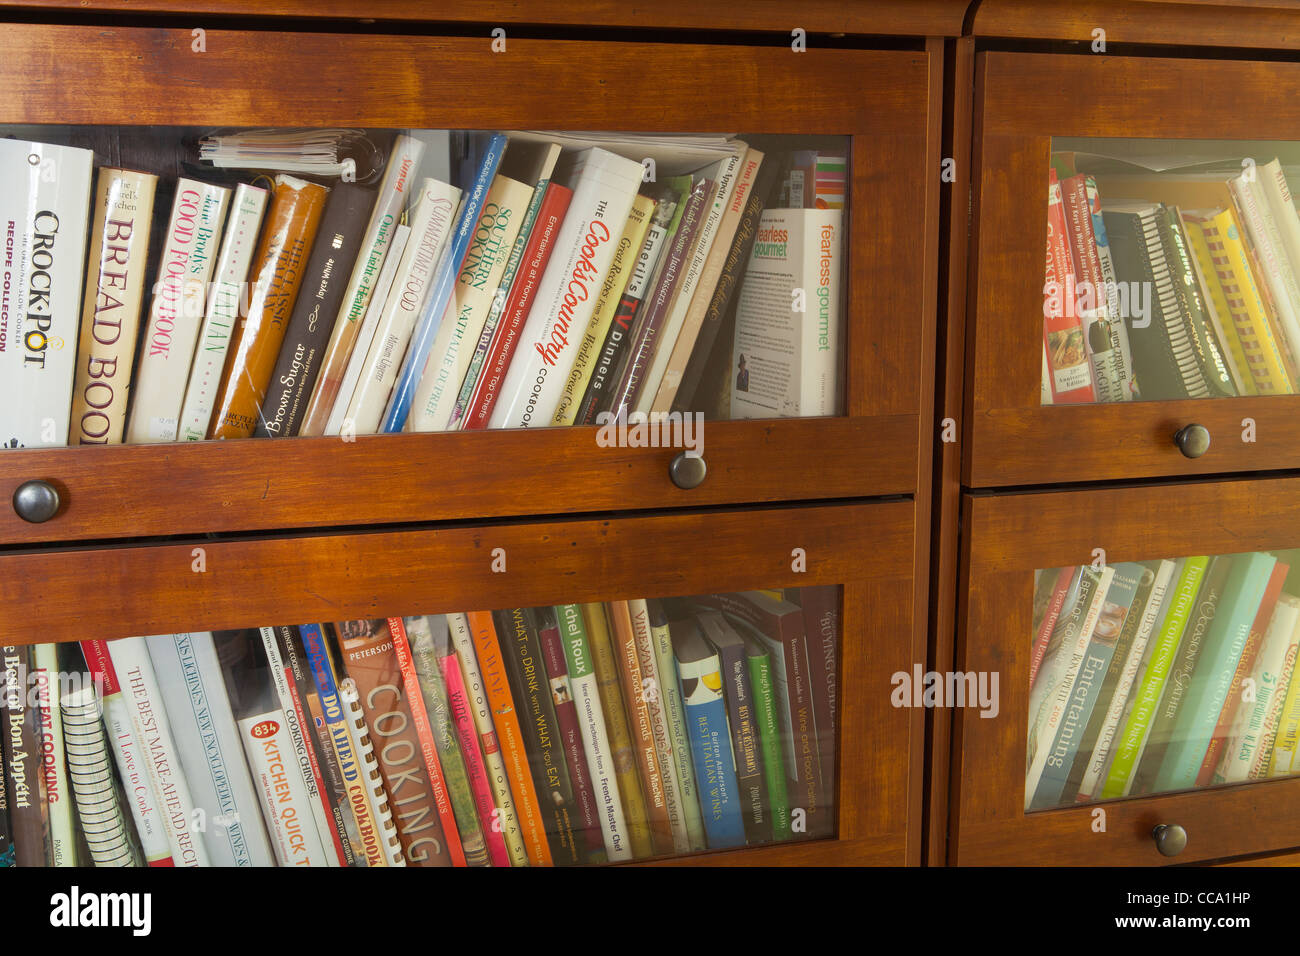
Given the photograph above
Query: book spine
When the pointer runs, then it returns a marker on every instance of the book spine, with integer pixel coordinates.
(605, 662)
(566, 296)
(171, 336)
(637, 685)
(618, 338)
(323, 843)
(414, 699)
(478, 284)
(1267, 242)
(821, 619)
(395, 190)
(586, 813)
(54, 769)
(505, 338)
(389, 841)
(8, 849)
(1064, 580)
(1249, 730)
(140, 689)
(674, 710)
(1164, 651)
(424, 255)
(22, 760)
(285, 803)
(223, 309)
(99, 812)
(276, 278)
(110, 316)
(145, 809)
(746, 748)
(419, 354)
(1071, 379)
(340, 740)
(1287, 740)
(769, 732)
(298, 364)
(212, 759)
(651, 328)
(1209, 356)
(1216, 305)
(501, 708)
(434, 693)
(458, 699)
(1109, 374)
(611, 293)
(1263, 760)
(383, 287)
(45, 209)
(1118, 328)
(595, 740)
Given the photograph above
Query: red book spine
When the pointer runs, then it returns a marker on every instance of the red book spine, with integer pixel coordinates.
(428, 747)
(1223, 729)
(458, 701)
(518, 302)
(1067, 352)
(1063, 579)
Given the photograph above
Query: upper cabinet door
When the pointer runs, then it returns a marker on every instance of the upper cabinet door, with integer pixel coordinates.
(810, 382)
(1135, 306)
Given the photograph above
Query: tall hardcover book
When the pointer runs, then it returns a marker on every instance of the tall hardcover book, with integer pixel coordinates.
(369, 658)
(768, 723)
(54, 769)
(675, 712)
(110, 314)
(47, 201)
(100, 814)
(22, 759)
(211, 754)
(604, 186)
(785, 362)
(821, 620)
(238, 244)
(700, 674)
(324, 281)
(176, 313)
(276, 279)
(389, 841)
(399, 183)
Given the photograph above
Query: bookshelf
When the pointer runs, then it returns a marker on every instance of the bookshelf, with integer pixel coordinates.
(237, 534)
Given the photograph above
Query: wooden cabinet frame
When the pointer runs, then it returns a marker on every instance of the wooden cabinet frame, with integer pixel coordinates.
(1004, 539)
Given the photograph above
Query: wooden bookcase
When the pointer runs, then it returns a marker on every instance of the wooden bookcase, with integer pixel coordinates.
(318, 529)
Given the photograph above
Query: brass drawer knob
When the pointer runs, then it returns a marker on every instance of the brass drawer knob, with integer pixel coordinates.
(36, 501)
(687, 471)
(1192, 440)
(1171, 839)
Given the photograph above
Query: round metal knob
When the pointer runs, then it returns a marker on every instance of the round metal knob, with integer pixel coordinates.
(1171, 839)
(1192, 440)
(36, 501)
(687, 471)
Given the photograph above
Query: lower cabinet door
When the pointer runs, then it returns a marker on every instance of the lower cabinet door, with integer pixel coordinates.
(536, 693)
(1141, 645)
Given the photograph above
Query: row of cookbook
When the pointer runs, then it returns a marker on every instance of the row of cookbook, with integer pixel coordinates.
(1156, 676)
(1170, 286)
(528, 736)
(552, 285)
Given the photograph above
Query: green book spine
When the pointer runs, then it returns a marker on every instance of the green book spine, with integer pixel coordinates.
(1148, 692)
(670, 691)
(425, 657)
(769, 731)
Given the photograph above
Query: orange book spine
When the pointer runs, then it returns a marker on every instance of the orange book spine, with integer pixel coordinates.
(276, 276)
(504, 717)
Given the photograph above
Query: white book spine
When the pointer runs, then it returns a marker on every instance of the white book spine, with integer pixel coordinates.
(1277, 194)
(98, 810)
(566, 296)
(727, 174)
(1247, 731)
(655, 694)
(179, 300)
(238, 245)
(58, 800)
(378, 300)
(478, 285)
(425, 252)
(281, 676)
(284, 795)
(140, 794)
(675, 712)
(1263, 232)
(140, 689)
(212, 757)
(381, 812)
(458, 624)
(44, 218)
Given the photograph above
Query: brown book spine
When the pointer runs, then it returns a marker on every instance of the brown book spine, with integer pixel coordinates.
(370, 660)
(633, 680)
(110, 316)
(275, 279)
(22, 763)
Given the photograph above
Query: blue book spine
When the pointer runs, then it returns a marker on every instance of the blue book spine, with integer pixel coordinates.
(426, 328)
(715, 774)
(322, 672)
(1212, 678)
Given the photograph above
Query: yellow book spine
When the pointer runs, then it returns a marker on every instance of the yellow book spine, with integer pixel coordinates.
(1231, 261)
(1282, 761)
(1226, 328)
(611, 290)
